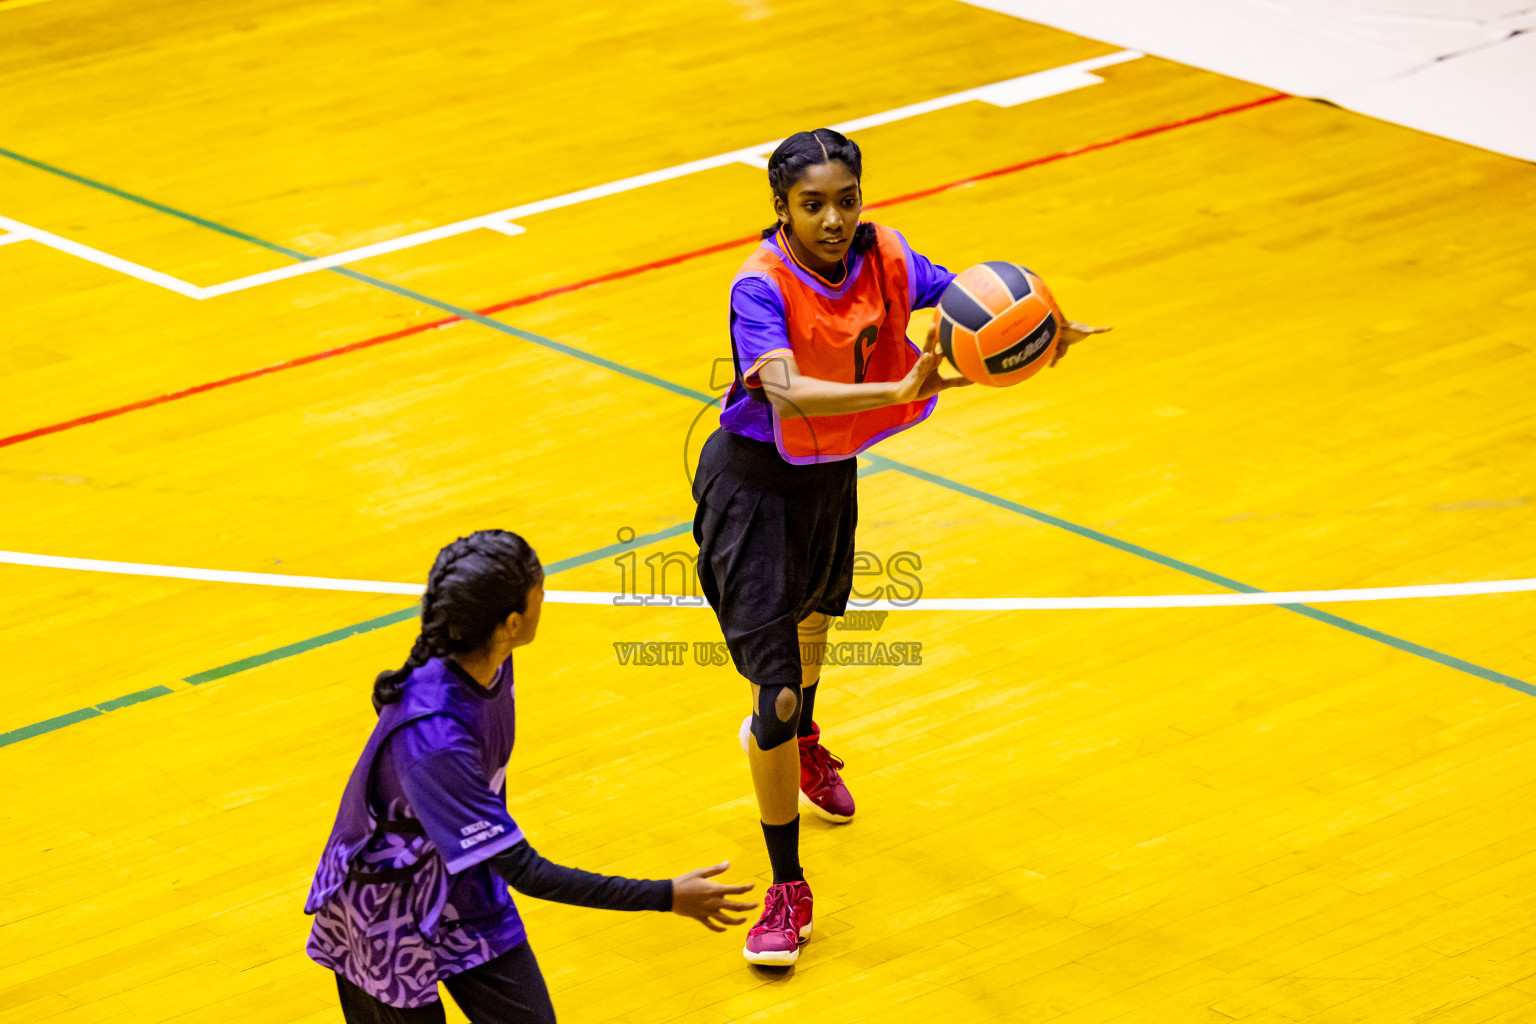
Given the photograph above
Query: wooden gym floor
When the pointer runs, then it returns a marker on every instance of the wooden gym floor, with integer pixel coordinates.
(1320, 378)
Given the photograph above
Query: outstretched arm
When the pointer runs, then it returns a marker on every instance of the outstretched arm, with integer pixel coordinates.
(691, 894)
(533, 875)
(469, 824)
(794, 394)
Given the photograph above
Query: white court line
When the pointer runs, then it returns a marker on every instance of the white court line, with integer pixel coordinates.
(265, 579)
(494, 222)
(178, 572)
(1007, 93)
(85, 252)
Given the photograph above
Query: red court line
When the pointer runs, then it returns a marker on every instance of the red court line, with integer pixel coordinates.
(1065, 153)
(616, 275)
(613, 276)
(286, 364)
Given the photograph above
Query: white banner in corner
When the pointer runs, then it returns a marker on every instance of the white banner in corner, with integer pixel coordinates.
(1467, 71)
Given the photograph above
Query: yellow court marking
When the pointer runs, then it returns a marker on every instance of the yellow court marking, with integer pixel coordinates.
(1088, 816)
(1010, 92)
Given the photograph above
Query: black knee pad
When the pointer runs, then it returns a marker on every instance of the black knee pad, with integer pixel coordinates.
(768, 722)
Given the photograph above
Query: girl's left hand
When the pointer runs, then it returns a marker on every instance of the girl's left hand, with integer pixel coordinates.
(1070, 335)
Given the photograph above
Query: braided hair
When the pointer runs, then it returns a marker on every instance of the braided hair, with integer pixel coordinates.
(476, 582)
(804, 150)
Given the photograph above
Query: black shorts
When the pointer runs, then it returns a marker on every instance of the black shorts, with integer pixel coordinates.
(775, 546)
(506, 990)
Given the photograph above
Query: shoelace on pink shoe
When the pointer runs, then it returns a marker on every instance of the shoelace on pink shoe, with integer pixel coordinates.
(824, 764)
(777, 910)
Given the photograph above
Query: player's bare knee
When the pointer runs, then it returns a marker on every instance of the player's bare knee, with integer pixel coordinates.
(775, 715)
(787, 704)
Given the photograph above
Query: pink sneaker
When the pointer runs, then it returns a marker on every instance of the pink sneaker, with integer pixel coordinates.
(821, 788)
(786, 922)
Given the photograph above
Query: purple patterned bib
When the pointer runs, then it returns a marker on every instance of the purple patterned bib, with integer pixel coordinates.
(393, 914)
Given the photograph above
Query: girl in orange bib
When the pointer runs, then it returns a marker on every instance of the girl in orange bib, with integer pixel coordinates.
(819, 316)
(823, 370)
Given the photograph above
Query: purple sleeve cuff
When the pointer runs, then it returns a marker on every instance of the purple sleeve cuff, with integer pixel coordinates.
(493, 845)
(758, 325)
(443, 784)
(926, 279)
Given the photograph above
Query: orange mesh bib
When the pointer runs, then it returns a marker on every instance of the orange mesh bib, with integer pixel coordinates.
(853, 333)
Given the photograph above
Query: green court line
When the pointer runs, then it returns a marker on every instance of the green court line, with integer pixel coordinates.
(1082, 531)
(142, 201)
(1407, 646)
(290, 650)
(876, 462)
(133, 698)
(618, 549)
(881, 463)
(26, 732)
(334, 636)
(518, 332)
(377, 282)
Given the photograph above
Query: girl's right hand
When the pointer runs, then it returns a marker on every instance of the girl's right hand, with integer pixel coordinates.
(695, 896)
(923, 380)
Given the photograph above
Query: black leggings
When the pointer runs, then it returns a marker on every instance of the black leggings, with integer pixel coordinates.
(506, 990)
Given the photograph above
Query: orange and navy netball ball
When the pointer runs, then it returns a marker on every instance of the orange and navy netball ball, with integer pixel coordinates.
(998, 324)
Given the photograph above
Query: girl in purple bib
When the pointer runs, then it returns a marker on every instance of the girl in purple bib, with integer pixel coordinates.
(412, 887)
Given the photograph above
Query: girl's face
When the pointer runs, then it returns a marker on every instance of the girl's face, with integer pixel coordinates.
(524, 625)
(520, 627)
(822, 212)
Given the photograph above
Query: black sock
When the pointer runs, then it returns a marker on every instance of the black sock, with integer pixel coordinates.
(784, 850)
(807, 710)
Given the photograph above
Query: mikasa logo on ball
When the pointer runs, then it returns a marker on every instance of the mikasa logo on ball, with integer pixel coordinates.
(1026, 350)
